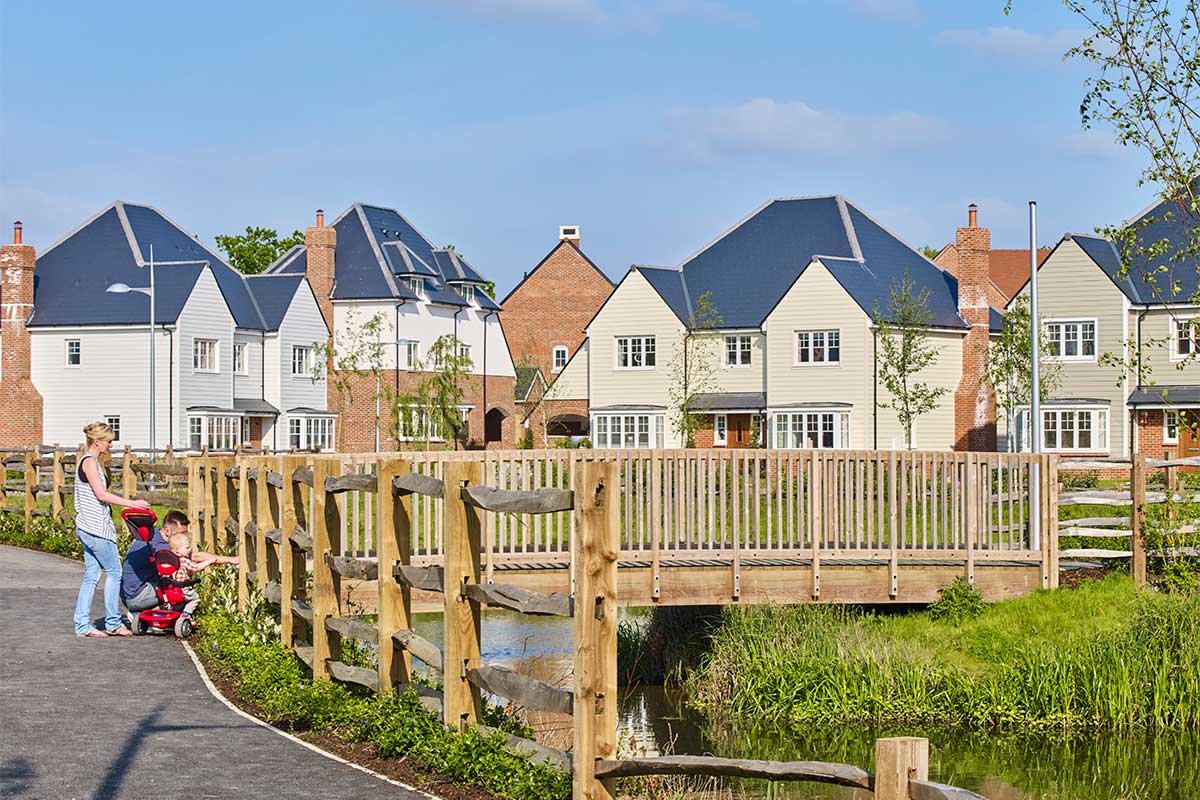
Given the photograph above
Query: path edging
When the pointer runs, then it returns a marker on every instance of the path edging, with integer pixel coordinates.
(215, 692)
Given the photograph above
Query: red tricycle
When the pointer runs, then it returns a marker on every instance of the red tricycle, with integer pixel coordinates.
(168, 615)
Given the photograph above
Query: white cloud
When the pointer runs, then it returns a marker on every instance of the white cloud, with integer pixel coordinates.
(1092, 144)
(903, 10)
(766, 126)
(1015, 43)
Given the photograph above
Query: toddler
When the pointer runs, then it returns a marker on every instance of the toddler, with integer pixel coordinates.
(181, 550)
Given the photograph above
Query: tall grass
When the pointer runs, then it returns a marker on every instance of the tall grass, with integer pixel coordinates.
(1104, 655)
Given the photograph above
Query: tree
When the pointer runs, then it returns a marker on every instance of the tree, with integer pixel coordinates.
(1010, 364)
(929, 252)
(694, 368)
(258, 248)
(356, 353)
(433, 409)
(907, 349)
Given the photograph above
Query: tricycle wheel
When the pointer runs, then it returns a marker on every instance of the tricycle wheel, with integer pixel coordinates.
(139, 625)
(184, 627)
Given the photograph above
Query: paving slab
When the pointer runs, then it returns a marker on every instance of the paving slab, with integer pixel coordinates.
(130, 718)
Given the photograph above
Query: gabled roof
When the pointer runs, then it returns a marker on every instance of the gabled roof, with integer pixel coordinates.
(114, 247)
(274, 294)
(750, 267)
(527, 377)
(561, 243)
(1008, 268)
(376, 246)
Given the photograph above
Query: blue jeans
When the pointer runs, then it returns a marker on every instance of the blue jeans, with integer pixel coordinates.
(98, 554)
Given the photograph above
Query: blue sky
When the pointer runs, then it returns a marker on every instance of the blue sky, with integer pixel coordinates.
(653, 125)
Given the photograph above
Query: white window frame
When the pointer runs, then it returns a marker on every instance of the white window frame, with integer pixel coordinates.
(464, 352)
(416, 285)
(740, 348)
(634, 430)
(435, 435)
(720, 429)
(195, 432)
(410, 353)
(295, 433)
(641, 341)
(1170, 423)
(241, 358)
(801, 423)
(1053, 419)
(78, 353)
(297, 349)
(809, 337)
(216, 431)
(114, 422)
(559, 350)
(1080, 322)
(206, 351)
(1193, 341)
(467, 291)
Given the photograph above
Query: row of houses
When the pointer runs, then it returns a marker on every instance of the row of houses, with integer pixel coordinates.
(797, 286)
(792, 293)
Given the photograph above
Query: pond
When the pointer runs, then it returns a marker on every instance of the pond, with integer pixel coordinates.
(1163, 765)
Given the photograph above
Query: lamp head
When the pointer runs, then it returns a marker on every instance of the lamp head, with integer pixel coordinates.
(119, 288)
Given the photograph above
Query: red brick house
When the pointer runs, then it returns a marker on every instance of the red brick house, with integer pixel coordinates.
(543, 319)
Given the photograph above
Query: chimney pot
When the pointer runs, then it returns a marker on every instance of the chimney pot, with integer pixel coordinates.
(17, 232)
(972, 215)
(320, 218)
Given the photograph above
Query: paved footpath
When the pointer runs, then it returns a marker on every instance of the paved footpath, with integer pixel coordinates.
(130, 718)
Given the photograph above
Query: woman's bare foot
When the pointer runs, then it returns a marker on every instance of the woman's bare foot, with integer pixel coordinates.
(94, 633)
(121, 631)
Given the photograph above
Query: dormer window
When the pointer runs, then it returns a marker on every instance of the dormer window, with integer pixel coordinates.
(417, 286)
(468, 293)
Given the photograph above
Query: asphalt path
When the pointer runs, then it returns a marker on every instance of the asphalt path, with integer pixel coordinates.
(130, 718)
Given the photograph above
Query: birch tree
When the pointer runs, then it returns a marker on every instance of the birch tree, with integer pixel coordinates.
(694, 368)
(1010, 364)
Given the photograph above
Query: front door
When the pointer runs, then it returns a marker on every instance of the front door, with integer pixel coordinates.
(1189, 436)
(741, 430)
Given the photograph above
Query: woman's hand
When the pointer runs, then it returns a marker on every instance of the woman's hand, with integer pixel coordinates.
(141, 504)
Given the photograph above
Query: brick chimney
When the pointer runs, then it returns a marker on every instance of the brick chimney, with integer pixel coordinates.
(974, 402)
(569, 234)
(321, 243)
(21, 422)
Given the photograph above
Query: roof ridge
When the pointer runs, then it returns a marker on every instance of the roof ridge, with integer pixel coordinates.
(283, 258)
(383, 265)
(135, 246)
(851, 233)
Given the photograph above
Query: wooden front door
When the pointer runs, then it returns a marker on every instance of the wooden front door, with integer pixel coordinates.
(741, 430)
(1189, 436)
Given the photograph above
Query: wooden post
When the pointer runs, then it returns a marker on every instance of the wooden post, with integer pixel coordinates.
(262, 519)
(128, 476)
(816, 512)
(393, 530)
(597, 545)
(243, 541)
(1137, 516)
(1051, 532)
(897, 760)
(60, 482)
(30, 486)
(327, 584)
(972, 532)
(291, 558)
(461, 540)
(195, 500)
(224, 501)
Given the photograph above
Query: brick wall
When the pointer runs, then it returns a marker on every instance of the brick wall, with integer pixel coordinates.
(551, 306)
(356, 425)
(539, 414)
(21, 422)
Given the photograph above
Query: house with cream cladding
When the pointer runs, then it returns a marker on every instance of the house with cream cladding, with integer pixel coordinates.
(231, 352)
(796, 285)
(1136, 303)
(379, 281)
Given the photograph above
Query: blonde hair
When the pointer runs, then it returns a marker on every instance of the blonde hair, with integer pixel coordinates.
(97, 431)
(179, 539)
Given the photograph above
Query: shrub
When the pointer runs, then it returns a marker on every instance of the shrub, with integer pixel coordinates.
(958, 602)
(1074, 481)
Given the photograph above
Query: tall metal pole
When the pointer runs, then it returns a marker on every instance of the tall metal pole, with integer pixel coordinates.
(153, 396)
(1035, 386)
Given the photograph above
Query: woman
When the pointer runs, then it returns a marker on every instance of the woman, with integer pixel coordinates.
(94, 527)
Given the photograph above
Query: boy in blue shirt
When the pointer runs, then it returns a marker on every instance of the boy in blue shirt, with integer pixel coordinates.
(138, 577)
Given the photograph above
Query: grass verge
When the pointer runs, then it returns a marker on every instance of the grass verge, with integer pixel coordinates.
(1102, 655)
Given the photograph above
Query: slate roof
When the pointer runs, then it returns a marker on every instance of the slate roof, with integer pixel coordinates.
(526, 376)
(376, 247)
(114, 246)
(274, 294)
(729, 401)
(750, 267)
(1165, 395)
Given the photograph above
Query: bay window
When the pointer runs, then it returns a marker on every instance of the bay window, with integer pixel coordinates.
(811, 430)
(312, 432)
(215, 431)
(628, 431)
(1067, 429)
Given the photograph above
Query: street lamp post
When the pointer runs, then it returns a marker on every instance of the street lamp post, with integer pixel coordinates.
(123, 288)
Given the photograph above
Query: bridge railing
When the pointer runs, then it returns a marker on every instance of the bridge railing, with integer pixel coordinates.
(290, 514)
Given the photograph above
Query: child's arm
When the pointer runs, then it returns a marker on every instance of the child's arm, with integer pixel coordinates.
(209, 558)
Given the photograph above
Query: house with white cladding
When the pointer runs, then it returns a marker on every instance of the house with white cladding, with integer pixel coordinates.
(232, 353)
(798, 286)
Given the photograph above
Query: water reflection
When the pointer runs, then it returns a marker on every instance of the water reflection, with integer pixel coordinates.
(1010, 766)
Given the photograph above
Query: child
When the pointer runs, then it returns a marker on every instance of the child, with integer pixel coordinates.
(181, 555)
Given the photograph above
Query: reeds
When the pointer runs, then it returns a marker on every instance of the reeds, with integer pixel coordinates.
(1104, 655)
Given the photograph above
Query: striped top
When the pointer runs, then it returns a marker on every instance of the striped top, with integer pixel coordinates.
(92, 516)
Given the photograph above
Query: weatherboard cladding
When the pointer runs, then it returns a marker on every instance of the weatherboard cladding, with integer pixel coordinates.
(750, 267)
(274, 294)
